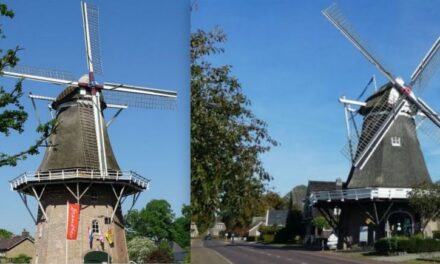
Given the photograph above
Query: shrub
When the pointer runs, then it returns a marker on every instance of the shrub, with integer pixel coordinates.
(385, 246)
(22, 258)
(187, 259)
(163, 254)
(139, 248)
(436, 234)
(250, 238)
(267, 238)
(414, 244)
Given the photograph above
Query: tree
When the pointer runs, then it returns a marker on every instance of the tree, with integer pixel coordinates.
(182, 228)
(321, 223)
(5, 234)
(425, 200)
(139, 248)
(226, 140)
(155, 221)
(296, 196)
(12, 113)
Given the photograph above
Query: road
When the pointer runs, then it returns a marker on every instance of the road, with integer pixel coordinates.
(242, 252)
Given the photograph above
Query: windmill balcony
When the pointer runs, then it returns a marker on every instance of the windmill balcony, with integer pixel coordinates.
(57, 176)
(359, 194)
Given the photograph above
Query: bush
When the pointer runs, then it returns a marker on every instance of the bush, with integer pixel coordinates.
(250, 238)
(414, 244)
(268, 238)
(139, 248)
(163, 254)
(436, 234)
(22, 258)
(384, 246)
(187, 259)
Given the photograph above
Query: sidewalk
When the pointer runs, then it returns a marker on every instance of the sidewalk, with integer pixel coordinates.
(203, 255)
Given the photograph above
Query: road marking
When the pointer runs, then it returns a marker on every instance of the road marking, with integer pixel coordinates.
(223, 257)
(227, 260)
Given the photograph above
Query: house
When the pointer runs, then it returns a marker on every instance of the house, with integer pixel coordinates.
(217, 228)
(194, 230)
(276, 217)
(12, 247)
(253, 231)
(255, 225)
(272, 218)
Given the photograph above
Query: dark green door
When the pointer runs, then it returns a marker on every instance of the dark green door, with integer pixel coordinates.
(97, 257)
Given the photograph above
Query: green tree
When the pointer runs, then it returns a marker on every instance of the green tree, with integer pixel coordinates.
(5, 234)
(182, 228)
(12, 113)
(227, 174)
(425, 200)
(155, 221)
(139, 248)
(296, 197)
(321, 223)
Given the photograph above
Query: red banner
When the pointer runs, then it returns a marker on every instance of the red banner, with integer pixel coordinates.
(72, 220)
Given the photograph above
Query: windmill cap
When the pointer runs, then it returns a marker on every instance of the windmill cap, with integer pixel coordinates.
(73, 93)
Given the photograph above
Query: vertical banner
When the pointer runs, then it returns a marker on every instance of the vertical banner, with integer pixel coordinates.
(72, 220)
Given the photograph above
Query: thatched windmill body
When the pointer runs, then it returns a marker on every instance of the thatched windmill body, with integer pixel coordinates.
(387, 161)
(79, 186)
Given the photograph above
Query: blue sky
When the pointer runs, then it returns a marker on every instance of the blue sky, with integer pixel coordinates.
(294, 65)
(143, 43)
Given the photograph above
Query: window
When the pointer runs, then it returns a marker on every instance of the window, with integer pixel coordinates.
(95, 226)
(107, 220)
(395, 141)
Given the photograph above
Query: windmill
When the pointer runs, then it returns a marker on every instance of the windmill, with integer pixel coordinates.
(79, 186)
(387, 161)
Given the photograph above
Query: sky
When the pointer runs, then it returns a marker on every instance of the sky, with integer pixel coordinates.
(293, 65)
(143, 43)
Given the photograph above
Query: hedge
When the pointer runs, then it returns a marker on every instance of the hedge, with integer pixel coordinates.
(414, 244)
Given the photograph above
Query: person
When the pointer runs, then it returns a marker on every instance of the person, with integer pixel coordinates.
(232, 238)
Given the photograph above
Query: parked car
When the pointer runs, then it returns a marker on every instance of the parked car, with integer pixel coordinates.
(208, 237)
(332, 241)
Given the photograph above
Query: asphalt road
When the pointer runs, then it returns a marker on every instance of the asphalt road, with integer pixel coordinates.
(239, 253)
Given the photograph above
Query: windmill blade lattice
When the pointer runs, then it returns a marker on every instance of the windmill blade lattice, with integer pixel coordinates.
(91, 25)
(139, 100)
(335, 16)
(57, 76)
(426, 69)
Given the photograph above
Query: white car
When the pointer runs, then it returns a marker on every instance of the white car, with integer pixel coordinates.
(332, 241)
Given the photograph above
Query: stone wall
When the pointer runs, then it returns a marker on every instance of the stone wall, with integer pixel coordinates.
(97, 204)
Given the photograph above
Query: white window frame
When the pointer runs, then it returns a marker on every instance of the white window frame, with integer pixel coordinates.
(95, 226)
(396, 142)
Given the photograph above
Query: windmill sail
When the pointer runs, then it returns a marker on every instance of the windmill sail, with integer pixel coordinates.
(91, 36)
(426, 69)
(400, 94)
(335, 16)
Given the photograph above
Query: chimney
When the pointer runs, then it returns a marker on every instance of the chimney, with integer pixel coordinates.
(25, 233)
(338, 182)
